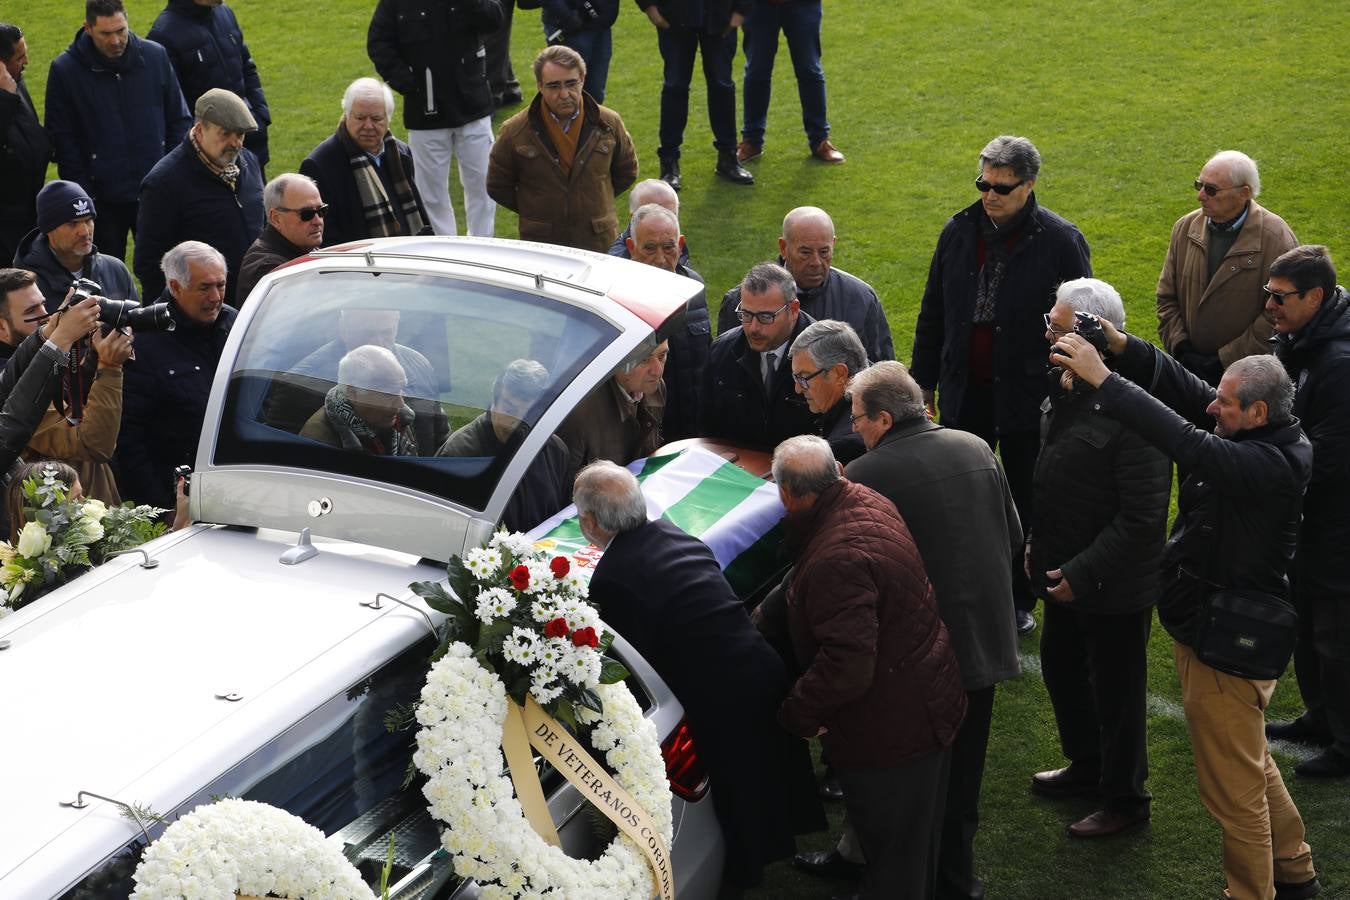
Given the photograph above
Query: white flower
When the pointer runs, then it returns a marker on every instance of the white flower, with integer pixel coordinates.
(94, 509)
(92, 528)
(494, 603)
(545, 609)
(515, 543)
(553, 652)
(522, 647)
(545, 687)
(577, 583)
(581, 666)
(34, 540)
(483, 561)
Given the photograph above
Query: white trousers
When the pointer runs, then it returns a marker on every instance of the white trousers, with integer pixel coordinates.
(432, 151)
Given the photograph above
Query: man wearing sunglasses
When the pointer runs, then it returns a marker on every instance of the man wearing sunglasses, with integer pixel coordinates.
(295, 214)
(1312, 339)
(979, 344)
(1209, 293)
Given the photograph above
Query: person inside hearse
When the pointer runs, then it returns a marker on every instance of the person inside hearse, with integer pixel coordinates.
(365, 411)
(499, 432)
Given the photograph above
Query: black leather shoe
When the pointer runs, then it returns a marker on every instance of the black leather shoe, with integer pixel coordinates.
(1026, 624)
(1304, 890)
(1106, 823)
(1330, 763)
(729, 167)
(830, 789)
(1299, 731)
(828, 864)
(1065, 782)
(670, 172)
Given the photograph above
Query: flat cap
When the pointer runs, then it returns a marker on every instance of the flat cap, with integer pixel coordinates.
(226, 109)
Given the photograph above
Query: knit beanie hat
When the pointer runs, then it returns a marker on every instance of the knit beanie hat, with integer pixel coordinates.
(61, 202)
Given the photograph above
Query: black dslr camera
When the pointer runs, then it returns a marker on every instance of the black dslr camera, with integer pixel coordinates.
(123, 313)
(1089, 328)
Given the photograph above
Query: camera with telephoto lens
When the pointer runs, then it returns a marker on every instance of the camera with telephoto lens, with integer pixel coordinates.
(123, 313)
(1089, 328)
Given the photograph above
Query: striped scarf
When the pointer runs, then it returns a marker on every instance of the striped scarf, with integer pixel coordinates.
(381, 220)
(228, 174)
(357, 435)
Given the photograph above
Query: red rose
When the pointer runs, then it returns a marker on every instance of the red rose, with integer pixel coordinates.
(560, 566)
(585, 637)
(520, 578)
(556, 628)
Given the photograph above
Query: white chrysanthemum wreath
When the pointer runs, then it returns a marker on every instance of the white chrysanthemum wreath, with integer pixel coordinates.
(242, 847)
(461, 715)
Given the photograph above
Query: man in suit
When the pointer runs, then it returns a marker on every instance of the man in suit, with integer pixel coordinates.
(664, 592)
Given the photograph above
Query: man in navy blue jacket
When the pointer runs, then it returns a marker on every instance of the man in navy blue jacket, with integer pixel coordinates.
(207, 49)
(113, 109)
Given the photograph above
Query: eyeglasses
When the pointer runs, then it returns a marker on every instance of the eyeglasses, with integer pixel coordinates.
(1002, 190)
(1050, 327)
(306, 213)
(854, 419)
(570, 84)
(1212, 190)
(1279, 296)
(764, 318)
(804, 381)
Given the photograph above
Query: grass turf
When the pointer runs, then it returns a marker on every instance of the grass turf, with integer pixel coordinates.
(1125, 102)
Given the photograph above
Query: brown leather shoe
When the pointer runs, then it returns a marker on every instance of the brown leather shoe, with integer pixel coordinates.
(825, 152)
(1065, 782)
(746, 151)
(1105, 823)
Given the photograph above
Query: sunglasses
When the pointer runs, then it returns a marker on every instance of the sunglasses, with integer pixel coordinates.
(764, 318)
(306, 213)
(1279, 296)
(1002, 190)
(1213, 190)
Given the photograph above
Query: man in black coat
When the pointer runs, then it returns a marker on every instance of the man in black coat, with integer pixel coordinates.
(391, 204)
(207, 49)
(114, 109)
(1095, 563)
(295, 223)
(806, 249)
(952, 494)
(749, 396)
(63, 242)
(655, 240)
(208, 189)
(1238, 513)
(665, 593)
(432, 54)
(978, 341)
(25, 148)
(1312, 339)
(166, 386)
(824, 357)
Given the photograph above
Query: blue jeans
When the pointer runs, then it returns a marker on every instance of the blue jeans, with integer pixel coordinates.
(800, 22)
(595, 48)
(678, 46)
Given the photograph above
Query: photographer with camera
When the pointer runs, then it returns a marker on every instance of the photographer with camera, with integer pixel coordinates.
(1224, 596)
(88, 444)
(62, 247)
(1094, 559)
(585, 26)
(168, 382)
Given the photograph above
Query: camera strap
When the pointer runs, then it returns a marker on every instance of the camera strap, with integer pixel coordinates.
(70, 401)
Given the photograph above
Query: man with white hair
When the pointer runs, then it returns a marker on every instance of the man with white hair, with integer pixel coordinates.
(295, 221)
(824, 357)
(1210, 305)
(649, 190)
(664, 591)
(1096, 562)
(365, 172)
(364, 412)
(166, 384)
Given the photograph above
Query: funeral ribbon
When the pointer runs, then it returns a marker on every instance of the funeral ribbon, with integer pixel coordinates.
(532, 726)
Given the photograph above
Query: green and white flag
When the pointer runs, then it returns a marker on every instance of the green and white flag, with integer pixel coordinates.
(735, 513)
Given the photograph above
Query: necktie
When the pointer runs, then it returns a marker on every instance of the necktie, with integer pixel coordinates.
(767, 374)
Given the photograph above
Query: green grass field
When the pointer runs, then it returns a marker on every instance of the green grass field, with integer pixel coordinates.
(1125, 102)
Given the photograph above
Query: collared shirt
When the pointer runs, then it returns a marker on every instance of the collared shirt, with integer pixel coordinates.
(1235, 225)
(565, 125)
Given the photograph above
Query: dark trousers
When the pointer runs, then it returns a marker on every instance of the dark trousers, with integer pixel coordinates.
(800, 24)
(1096, 672)
(678, 47)
(596, 48)
(1018, 451)
(897, 814)
(1322, 662)
(497, 46)
(956, 857)
(115, 221)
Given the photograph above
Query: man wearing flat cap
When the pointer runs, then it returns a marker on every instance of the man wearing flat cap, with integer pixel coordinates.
(61, 248)
(208, 188)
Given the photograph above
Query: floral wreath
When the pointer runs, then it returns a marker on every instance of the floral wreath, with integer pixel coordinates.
(247, 848)
(461, 714)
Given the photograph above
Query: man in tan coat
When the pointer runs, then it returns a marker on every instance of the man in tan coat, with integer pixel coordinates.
(560, 162)
(1210, 304)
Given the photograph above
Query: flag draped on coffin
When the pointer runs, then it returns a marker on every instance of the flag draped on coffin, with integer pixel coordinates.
(735, 513)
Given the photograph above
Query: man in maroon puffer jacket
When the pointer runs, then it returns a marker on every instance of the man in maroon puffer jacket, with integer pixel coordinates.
(880, 684)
